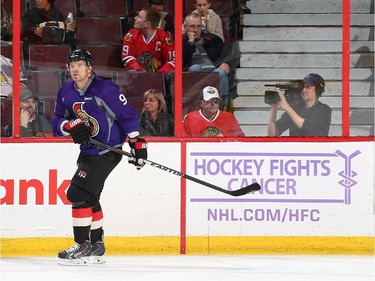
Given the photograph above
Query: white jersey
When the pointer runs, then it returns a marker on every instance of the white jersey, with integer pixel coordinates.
(6, 77)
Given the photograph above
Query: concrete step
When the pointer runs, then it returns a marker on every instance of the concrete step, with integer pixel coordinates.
(261, 117)
(333, 102)
(304, 19)
(309, 6)
(335, 130)
(357, 89)
(305, 33)
(303, 46)
(273, 74)
(301, 60)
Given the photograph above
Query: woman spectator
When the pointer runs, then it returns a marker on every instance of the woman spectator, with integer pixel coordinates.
(155, 120)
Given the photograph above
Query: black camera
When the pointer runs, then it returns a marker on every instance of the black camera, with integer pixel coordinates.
(292, 93)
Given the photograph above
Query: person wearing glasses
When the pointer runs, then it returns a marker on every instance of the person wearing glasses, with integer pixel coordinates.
(204, 52)
(210, 121)
(154, 119)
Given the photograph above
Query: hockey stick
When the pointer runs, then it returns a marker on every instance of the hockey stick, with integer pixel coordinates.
(238, 192)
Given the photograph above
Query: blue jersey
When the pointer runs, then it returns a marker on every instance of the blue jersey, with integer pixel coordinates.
(103, 107)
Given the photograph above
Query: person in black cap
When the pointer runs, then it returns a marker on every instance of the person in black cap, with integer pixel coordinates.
(32, 124)
(309, 118)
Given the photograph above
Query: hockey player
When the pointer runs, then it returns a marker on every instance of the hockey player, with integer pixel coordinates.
(146, 47)
(92, 107)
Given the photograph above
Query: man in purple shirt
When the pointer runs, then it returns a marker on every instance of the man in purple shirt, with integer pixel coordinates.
(87, 107)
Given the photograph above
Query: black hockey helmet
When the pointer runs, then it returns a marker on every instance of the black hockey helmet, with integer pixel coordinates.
(316, 80)
(78, 55)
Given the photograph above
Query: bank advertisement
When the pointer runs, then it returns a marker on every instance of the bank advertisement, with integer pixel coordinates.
(34, 179)
(308, 189)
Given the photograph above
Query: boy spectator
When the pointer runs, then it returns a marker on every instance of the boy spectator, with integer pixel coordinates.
(211, 22)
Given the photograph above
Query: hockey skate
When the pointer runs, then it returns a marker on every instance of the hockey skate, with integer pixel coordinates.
(97, 252)
(79, 254)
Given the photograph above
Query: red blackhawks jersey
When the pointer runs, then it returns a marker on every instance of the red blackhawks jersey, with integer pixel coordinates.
(155, 55)
(224, 124)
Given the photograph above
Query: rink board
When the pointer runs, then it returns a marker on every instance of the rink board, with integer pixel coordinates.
(317, 198)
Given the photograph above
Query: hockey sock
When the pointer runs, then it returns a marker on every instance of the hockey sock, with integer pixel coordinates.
(96, 226)
(82, 218)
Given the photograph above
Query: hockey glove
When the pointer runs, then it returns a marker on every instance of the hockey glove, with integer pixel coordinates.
(139, 151)
(78, 131)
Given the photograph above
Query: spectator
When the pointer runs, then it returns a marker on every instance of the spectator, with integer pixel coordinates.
(154, 119)
(32, 123)
(166, 20)
(209, 121)
(146, 47)
(6, 26)
(309, 118)
(204, 52)
(211, 22)
(6, 78)
(35, 26)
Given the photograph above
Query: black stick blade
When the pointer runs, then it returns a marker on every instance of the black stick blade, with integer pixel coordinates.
(245, 190)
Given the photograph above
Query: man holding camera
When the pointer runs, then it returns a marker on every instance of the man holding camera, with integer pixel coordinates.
(309, 118)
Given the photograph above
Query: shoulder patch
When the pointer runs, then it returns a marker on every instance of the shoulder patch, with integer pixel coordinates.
(128, 36)
(169, 40)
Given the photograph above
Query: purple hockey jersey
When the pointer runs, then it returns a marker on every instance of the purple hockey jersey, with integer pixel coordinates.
(103, 107)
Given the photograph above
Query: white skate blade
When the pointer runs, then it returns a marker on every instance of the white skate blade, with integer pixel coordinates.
(97, 259)
(75, 262)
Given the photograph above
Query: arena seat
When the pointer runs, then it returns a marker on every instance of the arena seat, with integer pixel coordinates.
(48, 56)
(105, 56)
(168, 7)
(7, 51)
(8, 6)
(46, 83)
(134, 84)
(6, 114)
(108, 8)
(99, 30)
(66, 6)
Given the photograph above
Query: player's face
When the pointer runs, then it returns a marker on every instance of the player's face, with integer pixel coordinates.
(194, 25)
(151, 104)
(79, 71)
(210, 107)
(308, 93)
(140, 20)
(202, 6)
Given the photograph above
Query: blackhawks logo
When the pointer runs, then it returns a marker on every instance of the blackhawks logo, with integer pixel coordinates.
(211, 132)
(128, 36)
(149, 62)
